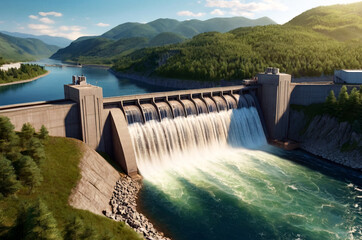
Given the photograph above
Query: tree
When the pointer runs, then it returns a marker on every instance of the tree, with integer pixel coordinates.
(8, 182)
(76, 229)
(330, 104)
(28, 172)
(43, 134)
(35, 150)
(27, 133)
(343, 97)
(8, 138)
(40, 223)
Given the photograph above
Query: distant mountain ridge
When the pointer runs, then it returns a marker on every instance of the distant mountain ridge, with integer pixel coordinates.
(127, 37)
(187, 28)
(57, 41)
(24, 49)
(342, 22)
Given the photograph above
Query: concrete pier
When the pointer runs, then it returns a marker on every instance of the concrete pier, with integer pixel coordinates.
(274, 98)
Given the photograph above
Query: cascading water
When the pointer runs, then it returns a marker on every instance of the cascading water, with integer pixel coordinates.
(161, 144)
(212, 176)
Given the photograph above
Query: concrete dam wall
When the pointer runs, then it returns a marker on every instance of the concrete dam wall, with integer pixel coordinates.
(102, 123)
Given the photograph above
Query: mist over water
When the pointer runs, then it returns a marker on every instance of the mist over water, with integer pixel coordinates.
(213, 176)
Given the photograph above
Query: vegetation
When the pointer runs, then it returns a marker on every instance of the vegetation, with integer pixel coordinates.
(342, 22)
(346, 108)
(26, 71)
(128, 37)
(43, 211)
(3, 61)
(24, 49)
(244, 52)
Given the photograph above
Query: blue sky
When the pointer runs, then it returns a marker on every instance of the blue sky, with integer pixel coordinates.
(75, 18)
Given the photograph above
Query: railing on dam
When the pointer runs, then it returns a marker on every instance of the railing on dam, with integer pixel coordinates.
(157, 106)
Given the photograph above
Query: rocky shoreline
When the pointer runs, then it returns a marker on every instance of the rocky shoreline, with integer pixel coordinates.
(123, 205)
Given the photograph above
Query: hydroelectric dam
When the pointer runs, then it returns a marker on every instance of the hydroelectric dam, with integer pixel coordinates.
(150, 127)
(208, 172)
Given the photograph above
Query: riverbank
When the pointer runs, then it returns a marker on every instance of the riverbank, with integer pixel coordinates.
(173, 82)
(25, 81)
(124, 208)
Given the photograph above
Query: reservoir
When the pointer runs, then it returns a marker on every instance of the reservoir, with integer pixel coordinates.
(51, 87)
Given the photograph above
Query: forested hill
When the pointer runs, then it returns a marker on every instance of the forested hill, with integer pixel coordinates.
(342, 22)
(187, 28)
(57, 41)
(244, 52)
(24, 49)
(314, 43)
(128, 37)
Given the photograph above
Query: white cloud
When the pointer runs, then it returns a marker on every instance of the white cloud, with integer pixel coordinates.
(218, 12)
(55, 14)
(33, 17)
(238, 7)
(38, 26)
(102, 24)
(70, 32)
(190, 14)
(46, 20)
(1, 22)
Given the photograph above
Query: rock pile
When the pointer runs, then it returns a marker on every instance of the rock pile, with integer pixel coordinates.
(123, 205)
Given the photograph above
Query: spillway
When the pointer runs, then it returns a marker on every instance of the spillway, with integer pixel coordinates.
(162, 143)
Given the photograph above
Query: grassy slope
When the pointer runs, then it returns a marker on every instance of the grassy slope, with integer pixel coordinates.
(61, 173)
(342, 22)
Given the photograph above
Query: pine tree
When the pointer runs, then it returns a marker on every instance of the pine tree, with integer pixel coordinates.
(8, 182)
(343, 97)
(330, 104)
(40, 223)
(8, 138)
(27, 133)
(43, 134)
(29, 172)
(36, 150)
(74, 229)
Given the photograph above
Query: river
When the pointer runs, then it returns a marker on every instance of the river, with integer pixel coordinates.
(51, 87)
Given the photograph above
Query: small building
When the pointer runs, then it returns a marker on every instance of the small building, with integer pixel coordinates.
(6, 67)
(348, 76)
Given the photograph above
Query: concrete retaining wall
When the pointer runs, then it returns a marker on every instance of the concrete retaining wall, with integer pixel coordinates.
(308, 94)
(61, 118)
(96, 185)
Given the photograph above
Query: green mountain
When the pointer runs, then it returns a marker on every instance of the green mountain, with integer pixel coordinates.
(128, 37)
(244, 52)
(342, 22)
(187, 28)
(24, 49)
(57, 41)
